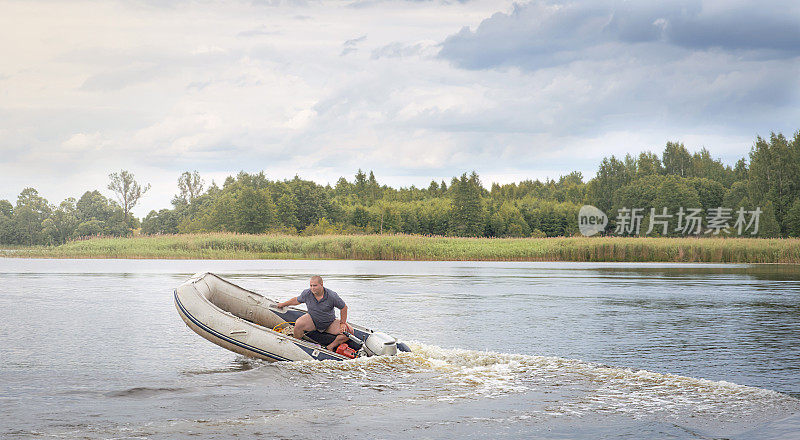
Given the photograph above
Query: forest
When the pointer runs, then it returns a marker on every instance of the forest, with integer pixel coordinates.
(767, 179)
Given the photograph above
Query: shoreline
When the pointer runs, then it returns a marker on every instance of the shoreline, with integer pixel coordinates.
(226, 246)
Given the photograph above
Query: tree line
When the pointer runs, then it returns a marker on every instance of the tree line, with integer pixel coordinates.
(769, 179)
(34, 221)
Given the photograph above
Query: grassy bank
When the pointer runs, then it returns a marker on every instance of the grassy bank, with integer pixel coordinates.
(408, 247)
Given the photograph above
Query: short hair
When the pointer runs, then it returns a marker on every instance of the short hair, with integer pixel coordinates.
(317, 278)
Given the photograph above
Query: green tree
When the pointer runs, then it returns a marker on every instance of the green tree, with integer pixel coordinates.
(674, 194)
(89, 228)
(240, 209)
(648, 164)
(360, 217)
(6, 208)
(127, 190)
(190, 187)
(710, 192)
(467, 213)
(361, 186)
(735, 195)
(93, 205)
(434, 215)
(611, 176)
(433, 189)
(373, 188)
(677, 160)
(61, 225)
(343, 188)
(6, 224)
(703, 165)
(507, 221)
(254, 211)
(410, 220)
(740, 170)
(792, 220)
(551, 218)
(313, 202)
(286, 209)
(640, 194)
(773, 173)
(768, 222)
(164, 221)
(29, 214)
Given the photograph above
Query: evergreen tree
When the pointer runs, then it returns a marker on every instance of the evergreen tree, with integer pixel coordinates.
(648, 164)
(373, 189)
(740, 170)
(467, 215)
(361, 186)
(768, 226)
(792, 220)
(773, 174)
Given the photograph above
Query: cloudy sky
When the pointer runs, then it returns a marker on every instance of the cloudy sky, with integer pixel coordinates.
(414, 90)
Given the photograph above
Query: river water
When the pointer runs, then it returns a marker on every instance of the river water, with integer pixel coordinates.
(95, 349)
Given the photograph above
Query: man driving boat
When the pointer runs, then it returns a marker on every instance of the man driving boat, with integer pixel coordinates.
(320, 302)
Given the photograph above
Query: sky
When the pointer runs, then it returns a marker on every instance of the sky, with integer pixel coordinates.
(413, 90)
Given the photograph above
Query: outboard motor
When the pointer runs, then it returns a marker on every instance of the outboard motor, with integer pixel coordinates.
(380, 344)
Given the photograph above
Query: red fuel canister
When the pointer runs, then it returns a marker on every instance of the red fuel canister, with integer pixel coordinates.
(346, 351)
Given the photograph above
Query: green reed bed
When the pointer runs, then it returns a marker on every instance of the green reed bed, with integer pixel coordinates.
(411, 247)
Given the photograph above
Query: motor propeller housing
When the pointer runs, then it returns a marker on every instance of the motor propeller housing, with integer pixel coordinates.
(380, 344)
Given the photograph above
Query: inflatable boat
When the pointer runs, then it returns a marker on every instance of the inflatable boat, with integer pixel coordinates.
(250, 324)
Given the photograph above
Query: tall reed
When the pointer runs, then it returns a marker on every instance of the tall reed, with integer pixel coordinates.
(414, 247)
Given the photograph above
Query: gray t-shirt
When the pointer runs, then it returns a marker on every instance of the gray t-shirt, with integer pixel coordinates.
(321, 311)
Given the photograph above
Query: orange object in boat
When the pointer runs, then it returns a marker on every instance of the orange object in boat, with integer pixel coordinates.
(346, 351)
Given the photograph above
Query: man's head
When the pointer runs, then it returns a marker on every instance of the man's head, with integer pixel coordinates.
(316, 285)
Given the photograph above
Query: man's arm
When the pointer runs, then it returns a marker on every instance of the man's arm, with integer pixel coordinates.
(343, 319)
(291, 302)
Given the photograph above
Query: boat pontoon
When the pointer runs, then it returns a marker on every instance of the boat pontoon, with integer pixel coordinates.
(250, 324)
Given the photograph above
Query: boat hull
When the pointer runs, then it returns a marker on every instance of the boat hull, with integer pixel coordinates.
(242, 321)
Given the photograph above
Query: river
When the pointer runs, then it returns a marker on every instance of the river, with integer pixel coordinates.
(94, 349)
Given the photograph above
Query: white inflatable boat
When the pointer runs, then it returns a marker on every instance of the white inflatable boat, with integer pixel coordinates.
(250, 324)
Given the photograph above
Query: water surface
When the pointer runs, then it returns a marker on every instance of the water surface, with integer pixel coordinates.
(95, 349)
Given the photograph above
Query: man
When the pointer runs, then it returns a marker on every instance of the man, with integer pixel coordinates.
(320, 303)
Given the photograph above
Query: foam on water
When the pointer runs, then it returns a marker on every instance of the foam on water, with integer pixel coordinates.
(512, 391)
(453, 374)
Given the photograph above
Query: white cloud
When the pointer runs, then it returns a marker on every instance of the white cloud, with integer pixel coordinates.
(320, 89)
(83, 142)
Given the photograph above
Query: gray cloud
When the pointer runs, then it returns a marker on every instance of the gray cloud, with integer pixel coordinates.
(683, 64)
(350, 46)
(542, 34)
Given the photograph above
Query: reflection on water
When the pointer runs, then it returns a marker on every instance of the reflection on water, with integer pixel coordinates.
(95, 349)
(237, 364)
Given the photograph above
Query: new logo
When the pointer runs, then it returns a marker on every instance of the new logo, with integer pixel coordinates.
(591, 220)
